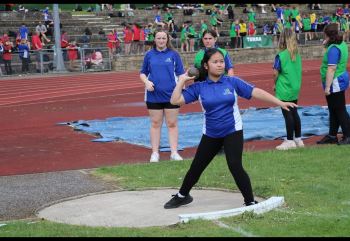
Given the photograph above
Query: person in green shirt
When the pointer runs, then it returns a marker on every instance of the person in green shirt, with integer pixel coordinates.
(286, 13)
(209, 40)
(192, 35)
(185, 47)
(287, 72)
(294, 12)
(251, 16)
(213, 20)
(306, 27)
(204, 27)
(234, 34)
(335, 81)
(169, 20)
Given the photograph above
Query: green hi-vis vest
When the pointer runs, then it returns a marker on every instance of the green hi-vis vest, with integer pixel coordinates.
(341, 66)
(288, 82)
(199, 56)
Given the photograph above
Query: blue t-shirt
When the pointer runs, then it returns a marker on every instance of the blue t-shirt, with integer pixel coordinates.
(279, 12)
(342, 81)
(23, 31)
(219, 102)
(23, 50)
(163, 69)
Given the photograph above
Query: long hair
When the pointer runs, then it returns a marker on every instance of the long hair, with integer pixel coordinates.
(288, 41)
(203, 72)
(331, 30)
(168, 43)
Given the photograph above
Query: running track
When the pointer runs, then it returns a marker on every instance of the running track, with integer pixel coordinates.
(30, 108)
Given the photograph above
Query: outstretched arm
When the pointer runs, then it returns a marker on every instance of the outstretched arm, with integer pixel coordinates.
(177, 97)
(265, 96)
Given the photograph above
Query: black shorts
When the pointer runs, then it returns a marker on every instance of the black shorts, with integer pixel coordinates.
(293, 20)
(161, 106)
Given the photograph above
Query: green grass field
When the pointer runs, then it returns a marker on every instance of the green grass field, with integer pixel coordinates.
(314, 181)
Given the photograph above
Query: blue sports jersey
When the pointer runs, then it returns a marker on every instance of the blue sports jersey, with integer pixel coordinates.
(163, 69)
(342, 81)
(219, 103)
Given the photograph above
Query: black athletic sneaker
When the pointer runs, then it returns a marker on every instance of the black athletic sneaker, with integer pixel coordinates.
(328, 140)
(250, 203)
(177, 201)
(344, 141)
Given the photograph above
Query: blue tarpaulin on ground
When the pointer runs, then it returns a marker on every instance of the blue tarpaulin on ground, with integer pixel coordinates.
(258, 124)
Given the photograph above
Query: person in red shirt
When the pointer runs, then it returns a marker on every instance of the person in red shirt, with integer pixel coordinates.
(128, 36)
(251, 29)
(136, 44)
(7, 56)
(37, 46)
(72, 54)
(64, 44)
(111, 44)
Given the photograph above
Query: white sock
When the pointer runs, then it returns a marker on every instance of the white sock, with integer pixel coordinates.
(179, 195)
(298, 138)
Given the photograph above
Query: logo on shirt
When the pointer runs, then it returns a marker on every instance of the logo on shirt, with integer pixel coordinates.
(227, 91)
(168, 60)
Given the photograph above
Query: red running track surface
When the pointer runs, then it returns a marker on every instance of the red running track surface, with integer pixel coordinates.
(30, 108)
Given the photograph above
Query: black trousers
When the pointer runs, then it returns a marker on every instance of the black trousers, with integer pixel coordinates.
(292, 121)
(207, 150)
(25, 65)
(338, 115)
(8, 67)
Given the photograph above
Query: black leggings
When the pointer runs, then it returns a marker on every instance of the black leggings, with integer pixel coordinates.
(292, 121)
(207, 150)
(338, 115)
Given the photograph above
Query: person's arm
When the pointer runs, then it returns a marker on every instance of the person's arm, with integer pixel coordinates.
(231, 72)
(177, 97)
(148, 84)
(265, 96)
(329, 78)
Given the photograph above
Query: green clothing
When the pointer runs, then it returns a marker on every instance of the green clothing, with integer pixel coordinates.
(251, 17)
(286, 14)
(150, 35)
(203, 28)
(168, 16)
(294, 13)
(199, 56)
(213, 20)
(341, 66)
(191, 31)
(183, 35)
(233, 32)
(287, 24)
(288, 82)
(306, 24)
(334, 19)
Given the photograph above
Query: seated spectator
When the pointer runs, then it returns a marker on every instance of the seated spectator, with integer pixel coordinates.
(42, 30)
(94, 59)
(339, 12)
(158, 20)
(21, 9)
(316, 6)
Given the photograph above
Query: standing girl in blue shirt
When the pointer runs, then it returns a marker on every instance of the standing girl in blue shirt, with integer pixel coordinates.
(222, 126)
(162, 66)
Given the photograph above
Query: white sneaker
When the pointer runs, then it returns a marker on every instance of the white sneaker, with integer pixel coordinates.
(154, 157)
(286, 145)
(299, 142)
(175, 157)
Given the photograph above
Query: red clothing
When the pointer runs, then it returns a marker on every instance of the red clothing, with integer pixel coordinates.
(127, 35)
(137, 32)
(142, 35)
(251, 29)
(72, 52)
(7, 55)
(111, 37)
(36, 42)
(64, 40)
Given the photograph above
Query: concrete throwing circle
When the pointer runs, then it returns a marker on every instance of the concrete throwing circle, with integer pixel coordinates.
(137, 208)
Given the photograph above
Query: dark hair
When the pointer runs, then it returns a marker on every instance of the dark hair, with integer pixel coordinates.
(203, 72)
(211, 32)
(331, 30)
